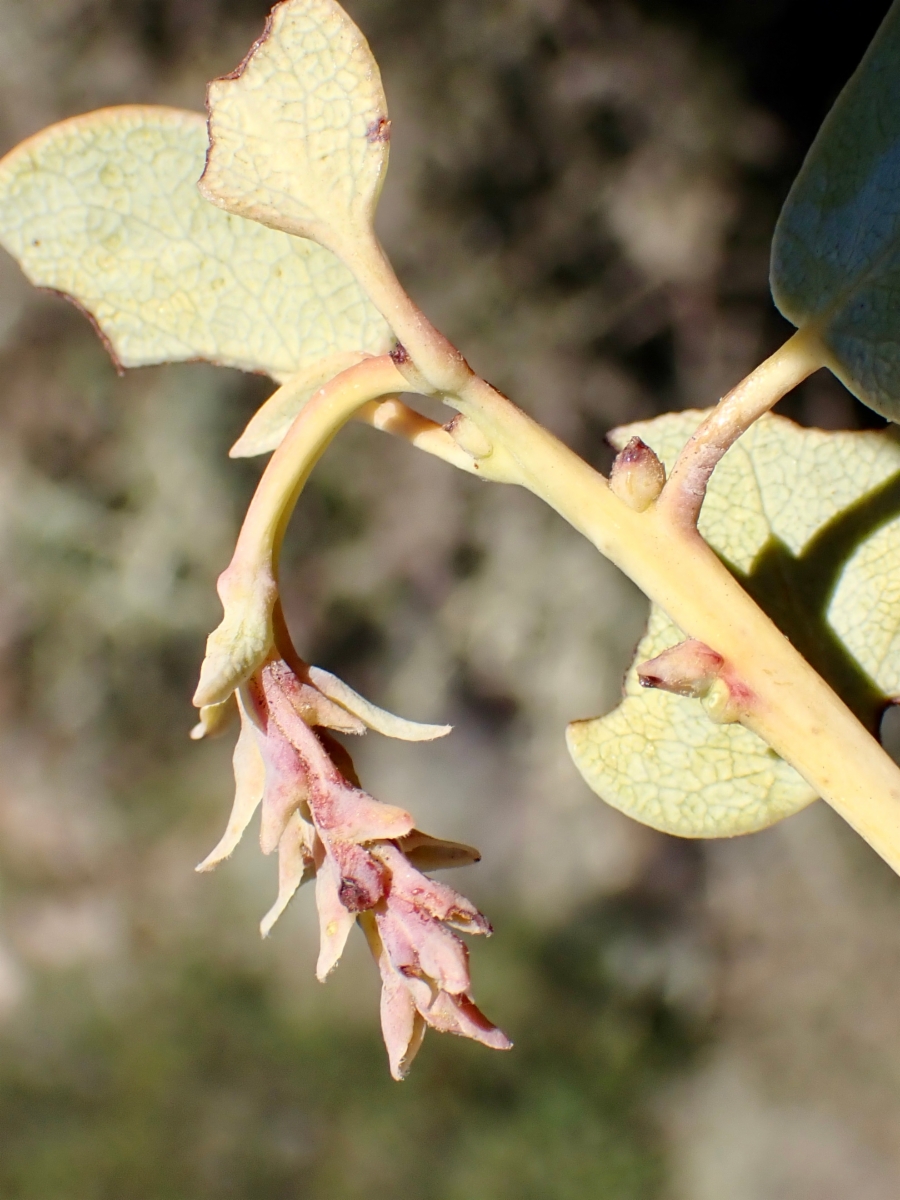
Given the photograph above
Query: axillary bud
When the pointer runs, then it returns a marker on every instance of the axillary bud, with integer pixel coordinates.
(688, 669)
(637, 475)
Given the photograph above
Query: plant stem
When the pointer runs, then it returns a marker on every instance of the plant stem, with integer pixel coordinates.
(683, 495)
(791, 707)
(435, 366)
(248, 587)
(394, 417)
(786, 703)
(303, 445)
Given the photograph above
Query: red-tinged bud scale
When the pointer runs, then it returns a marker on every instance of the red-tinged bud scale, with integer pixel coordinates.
(637, 475)
(688, 669)
(694, 669)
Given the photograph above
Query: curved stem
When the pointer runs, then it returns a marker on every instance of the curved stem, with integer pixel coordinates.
(682, 497)
(248, 587)
(291, 465)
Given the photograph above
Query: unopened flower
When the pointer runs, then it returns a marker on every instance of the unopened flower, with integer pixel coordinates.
(367, 858)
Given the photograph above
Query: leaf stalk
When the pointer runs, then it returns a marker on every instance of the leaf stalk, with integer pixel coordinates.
(683, 495)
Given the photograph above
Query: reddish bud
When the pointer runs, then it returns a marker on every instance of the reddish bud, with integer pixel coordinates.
(637, 475)
(688, 669)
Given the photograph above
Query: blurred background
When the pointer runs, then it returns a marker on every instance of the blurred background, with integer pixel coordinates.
(582, 194)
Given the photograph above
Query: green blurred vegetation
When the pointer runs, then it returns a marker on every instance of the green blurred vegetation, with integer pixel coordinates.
(201, 1081)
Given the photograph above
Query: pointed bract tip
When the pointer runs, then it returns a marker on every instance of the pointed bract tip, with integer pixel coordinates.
(377, 719)
(211, 860)
(214, 719)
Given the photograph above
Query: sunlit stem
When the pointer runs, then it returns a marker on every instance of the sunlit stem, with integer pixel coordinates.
(782, 699)
(304, 444)
(394, 417)
(786, 702)
(248, 588)
(685, 490)
(435, 366)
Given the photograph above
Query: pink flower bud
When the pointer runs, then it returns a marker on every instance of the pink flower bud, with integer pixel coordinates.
(359, 852)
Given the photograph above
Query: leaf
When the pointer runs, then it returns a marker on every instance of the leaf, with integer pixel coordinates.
(870, 585)
(104, 208)
(809, 522)
(266, 428)
(836, 251)
(660, 759)
(299, 132)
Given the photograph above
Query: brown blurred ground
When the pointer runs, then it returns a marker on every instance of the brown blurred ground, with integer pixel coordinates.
(581, 195)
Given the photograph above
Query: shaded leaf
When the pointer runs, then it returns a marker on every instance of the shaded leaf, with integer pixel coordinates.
(660, 759)
(810, 523)
(105, 209)
(836, 251)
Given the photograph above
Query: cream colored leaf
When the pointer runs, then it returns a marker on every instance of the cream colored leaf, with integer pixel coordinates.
(810, 522)
(250, 780)
(268, 425)
(296, 866)
(299, 132)
(427, 853)
(104, 208)
(335, 922)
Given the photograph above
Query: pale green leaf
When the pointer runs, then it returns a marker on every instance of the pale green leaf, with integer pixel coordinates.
(836, 252)
(299, 133)
(865, 608)
(810, 523)
(104, 208)
(660, 759)
(271, 421)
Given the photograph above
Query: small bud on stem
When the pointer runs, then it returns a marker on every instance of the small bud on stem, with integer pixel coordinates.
(688, 669)
(637, 475)
(694, 669)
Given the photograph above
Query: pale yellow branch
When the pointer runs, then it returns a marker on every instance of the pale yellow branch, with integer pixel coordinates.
(248, 587)
(782, 698)
(786, 702)
(393, 416)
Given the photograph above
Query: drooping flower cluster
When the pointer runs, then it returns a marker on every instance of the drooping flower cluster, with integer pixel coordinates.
(366, 857)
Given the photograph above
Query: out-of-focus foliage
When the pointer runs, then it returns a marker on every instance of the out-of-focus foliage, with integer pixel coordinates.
(582, 197)
(206, 1083)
